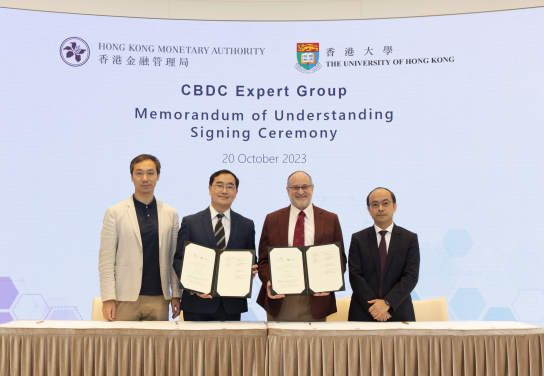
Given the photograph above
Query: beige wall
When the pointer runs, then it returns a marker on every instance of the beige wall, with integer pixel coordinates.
(266, 10)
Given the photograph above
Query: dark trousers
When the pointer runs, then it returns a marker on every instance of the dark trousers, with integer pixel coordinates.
(219, 315)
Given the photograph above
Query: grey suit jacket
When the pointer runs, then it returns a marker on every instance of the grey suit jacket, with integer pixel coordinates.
(121, 258)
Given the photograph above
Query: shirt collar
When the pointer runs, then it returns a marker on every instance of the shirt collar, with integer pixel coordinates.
(309, 211)
(141, 205)
(389, 229)
(215, 212)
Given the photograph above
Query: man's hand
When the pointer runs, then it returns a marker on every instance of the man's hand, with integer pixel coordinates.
(386, 316)
(204, 296)
(175, 307)
(108, 310)
(255, 271)
(322, 294)
(270, 292)
(378, 308)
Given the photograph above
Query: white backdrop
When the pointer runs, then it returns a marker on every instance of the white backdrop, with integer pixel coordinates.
(462, 151)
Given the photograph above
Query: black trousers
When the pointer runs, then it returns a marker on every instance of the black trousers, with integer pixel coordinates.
(219, 315)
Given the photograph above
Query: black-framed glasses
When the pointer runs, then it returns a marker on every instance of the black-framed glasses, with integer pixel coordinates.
(304, 187)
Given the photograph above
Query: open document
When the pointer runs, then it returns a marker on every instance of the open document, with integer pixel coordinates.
(306, 270)
(217, 272)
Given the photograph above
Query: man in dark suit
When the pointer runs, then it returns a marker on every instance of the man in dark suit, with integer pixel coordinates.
(383, 265)
(219, 227)
(300, 224)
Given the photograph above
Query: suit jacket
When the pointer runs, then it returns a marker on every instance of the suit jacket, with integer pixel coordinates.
(198, 229)
(120, 259)
(275, 233)
(400, 273)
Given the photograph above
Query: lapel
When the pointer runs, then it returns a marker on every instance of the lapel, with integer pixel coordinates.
(319, 224)
(373, 246)
(162, 221)
(284, 226)
(131, 211)
(207, 223)
(393, 243)
(233, 229)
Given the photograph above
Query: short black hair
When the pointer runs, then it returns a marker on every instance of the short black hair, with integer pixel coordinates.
(145, 157)
(216, 174)
(392, 195)
(304, 172)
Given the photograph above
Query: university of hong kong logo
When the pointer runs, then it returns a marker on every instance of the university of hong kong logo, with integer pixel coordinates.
(75, 51)
(308, 56)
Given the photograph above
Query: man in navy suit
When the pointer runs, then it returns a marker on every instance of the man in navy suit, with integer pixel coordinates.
(383, 265)
(218, 227)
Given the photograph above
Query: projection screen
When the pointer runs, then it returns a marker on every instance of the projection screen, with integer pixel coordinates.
(444, 111)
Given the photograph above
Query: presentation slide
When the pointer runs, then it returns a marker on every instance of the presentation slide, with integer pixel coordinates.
(446, 112)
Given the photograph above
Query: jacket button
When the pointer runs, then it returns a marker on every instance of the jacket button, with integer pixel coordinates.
(377, 286)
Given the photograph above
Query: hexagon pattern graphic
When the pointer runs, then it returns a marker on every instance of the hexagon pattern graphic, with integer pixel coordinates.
(529, 306)
(442, 282)
(499, 314)
(8, 292)
(467, 303)
(438, 274)
(5, 317)
(457, 243)
(64, 313)
(31, 307)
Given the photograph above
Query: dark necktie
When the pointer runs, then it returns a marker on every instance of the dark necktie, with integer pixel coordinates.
(298, 238)
(383, 256)
(220, 233)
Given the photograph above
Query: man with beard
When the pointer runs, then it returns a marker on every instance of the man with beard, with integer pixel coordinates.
(299, 224)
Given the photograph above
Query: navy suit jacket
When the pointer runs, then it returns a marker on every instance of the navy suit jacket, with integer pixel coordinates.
(198, 228)
(401, 273)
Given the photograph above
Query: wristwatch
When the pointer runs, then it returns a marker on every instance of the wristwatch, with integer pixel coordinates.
(386, 302)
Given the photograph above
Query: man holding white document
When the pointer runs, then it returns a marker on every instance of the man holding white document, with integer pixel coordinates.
(211, 231)
(296, 294)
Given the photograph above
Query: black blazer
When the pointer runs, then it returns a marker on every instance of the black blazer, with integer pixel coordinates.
(198, 228)
(401, 273)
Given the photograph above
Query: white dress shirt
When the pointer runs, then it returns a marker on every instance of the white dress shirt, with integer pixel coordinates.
(387, 236)
(309, 225)
(225, 220)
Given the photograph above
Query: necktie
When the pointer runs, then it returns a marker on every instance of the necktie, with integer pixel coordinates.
(220, 233)
(298, 238)
(383, 255)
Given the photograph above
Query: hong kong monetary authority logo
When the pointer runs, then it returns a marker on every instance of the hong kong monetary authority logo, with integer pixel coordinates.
(307, 57)
(75, 51)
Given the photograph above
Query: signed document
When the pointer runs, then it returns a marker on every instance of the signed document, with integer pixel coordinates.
(306, 270)
(287, 270)
(217, 272)
(324, 268)
(235, 275)
(198, 268)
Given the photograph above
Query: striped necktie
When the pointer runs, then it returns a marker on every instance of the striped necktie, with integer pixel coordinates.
(220, 233)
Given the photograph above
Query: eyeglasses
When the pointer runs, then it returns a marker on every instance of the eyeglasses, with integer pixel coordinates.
(297, 188)
(376, 205)
(220, 187)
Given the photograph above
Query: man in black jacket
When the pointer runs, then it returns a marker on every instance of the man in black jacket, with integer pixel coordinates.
(217, 226)
(383, 265)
